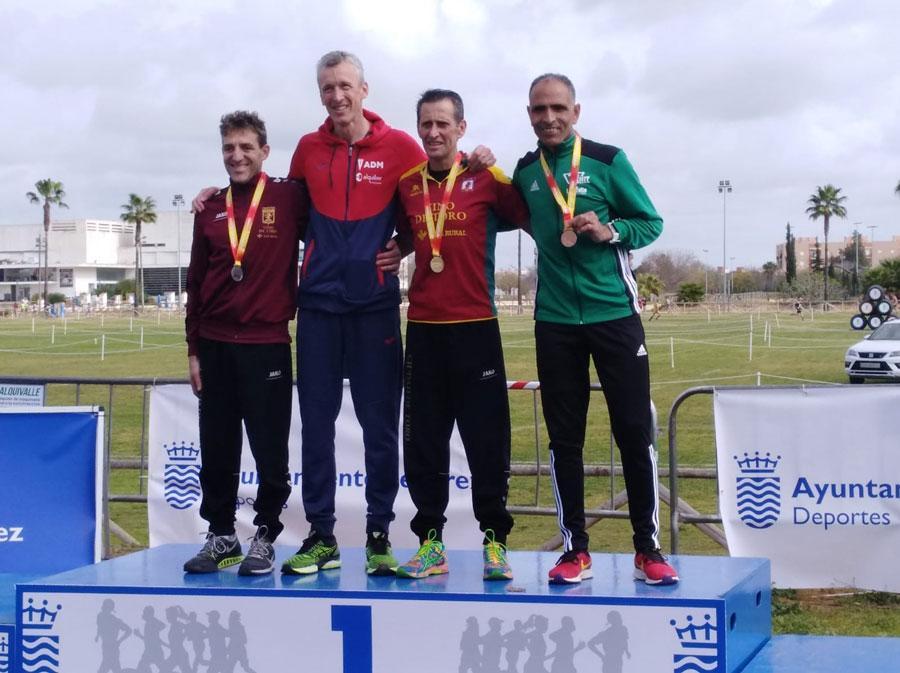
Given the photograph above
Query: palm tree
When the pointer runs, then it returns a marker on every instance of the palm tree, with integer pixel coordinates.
(52, 193)
(650, 285)
(136, 212)
(825, 203)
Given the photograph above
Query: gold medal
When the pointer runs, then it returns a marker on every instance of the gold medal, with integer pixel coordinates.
(437, 264)
(237, 273)
(568, 238)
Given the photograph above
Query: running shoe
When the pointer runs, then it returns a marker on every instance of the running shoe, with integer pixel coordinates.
(651, 567)
(260, 558)
(431, 559)
(572, 567)
(379, 557)
(219, 552)
(316, 554)
(496, 567)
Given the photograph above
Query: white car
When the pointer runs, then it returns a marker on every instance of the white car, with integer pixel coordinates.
(877, 356)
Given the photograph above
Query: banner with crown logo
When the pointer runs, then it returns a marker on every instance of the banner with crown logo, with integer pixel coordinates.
(810, 478)
(174, 495)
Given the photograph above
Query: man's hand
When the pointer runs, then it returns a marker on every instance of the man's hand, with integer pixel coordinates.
(194, 373)
(480, 158)
(199, 202)
(589, 224)
(388, 260)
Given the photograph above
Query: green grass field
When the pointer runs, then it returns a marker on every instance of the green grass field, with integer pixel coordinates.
(687, 349)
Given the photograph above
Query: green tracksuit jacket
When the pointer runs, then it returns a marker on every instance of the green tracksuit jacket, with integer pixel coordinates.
(590, 282)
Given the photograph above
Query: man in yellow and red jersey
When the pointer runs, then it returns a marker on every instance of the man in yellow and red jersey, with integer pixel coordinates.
(454, 369)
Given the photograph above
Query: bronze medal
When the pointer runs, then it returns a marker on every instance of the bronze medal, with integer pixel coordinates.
(568, 238)
(437, 264)
(237, 273)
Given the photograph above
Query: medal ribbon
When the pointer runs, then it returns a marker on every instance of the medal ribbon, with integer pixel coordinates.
(567, 205)
(436, 230)
(239, 247)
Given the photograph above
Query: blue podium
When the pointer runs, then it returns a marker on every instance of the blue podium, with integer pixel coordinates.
(141, 612)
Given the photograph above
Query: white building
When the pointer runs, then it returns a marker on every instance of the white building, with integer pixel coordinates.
(86, 254)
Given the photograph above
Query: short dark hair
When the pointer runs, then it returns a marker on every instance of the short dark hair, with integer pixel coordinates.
(434, 95)
(553, 75)
(242, 119)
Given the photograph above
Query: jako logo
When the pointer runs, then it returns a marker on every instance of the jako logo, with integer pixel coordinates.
(12, 534)
(758, 490)
(182, 475)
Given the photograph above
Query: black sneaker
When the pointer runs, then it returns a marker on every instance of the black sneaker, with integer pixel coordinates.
(260, 559)
(219, 552)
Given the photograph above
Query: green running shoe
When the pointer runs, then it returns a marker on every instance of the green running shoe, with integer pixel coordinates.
(219, 552)
(431, 559)
(496, 567)
(316, 554)
(379, 557)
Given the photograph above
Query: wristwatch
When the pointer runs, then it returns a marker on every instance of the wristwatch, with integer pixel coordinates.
(615, 234)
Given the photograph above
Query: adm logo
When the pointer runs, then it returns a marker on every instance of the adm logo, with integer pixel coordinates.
(698, 646)
(758, 490)
(182, 475)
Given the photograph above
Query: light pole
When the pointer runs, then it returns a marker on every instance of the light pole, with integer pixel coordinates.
(872, 228)
(178, 202)
(724, 190)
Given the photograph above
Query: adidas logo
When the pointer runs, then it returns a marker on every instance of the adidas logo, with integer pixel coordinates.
(642, 352)
(274, 374)
(535, 187)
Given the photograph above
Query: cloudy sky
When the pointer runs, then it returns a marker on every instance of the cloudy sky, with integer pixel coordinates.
(777, 96)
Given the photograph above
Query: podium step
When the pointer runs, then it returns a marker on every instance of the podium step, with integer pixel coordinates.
(142, 610)
(803, 654)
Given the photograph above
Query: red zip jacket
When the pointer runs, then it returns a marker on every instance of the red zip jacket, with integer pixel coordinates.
(354, 212)
(257, 309)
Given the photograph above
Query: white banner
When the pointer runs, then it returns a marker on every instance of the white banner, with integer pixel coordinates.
(173, 495)
(810, 478)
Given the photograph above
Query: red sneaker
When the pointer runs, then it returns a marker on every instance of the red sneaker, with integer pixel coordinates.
(572, 567)
(651, 567)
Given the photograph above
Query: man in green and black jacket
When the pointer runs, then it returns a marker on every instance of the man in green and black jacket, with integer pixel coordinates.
(588, 209)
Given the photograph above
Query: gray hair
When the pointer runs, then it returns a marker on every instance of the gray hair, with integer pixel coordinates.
(555, 76)
(335, 58)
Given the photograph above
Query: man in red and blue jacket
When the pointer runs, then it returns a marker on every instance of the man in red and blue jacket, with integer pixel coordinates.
(349, 320)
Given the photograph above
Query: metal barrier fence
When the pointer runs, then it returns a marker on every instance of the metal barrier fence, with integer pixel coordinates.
(610, 509)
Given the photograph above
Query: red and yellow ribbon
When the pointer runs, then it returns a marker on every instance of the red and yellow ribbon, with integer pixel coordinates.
(239, 247)
(567, 205)
(436, 229)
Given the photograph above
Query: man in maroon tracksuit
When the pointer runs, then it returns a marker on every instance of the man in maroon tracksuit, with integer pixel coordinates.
(242, 285)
